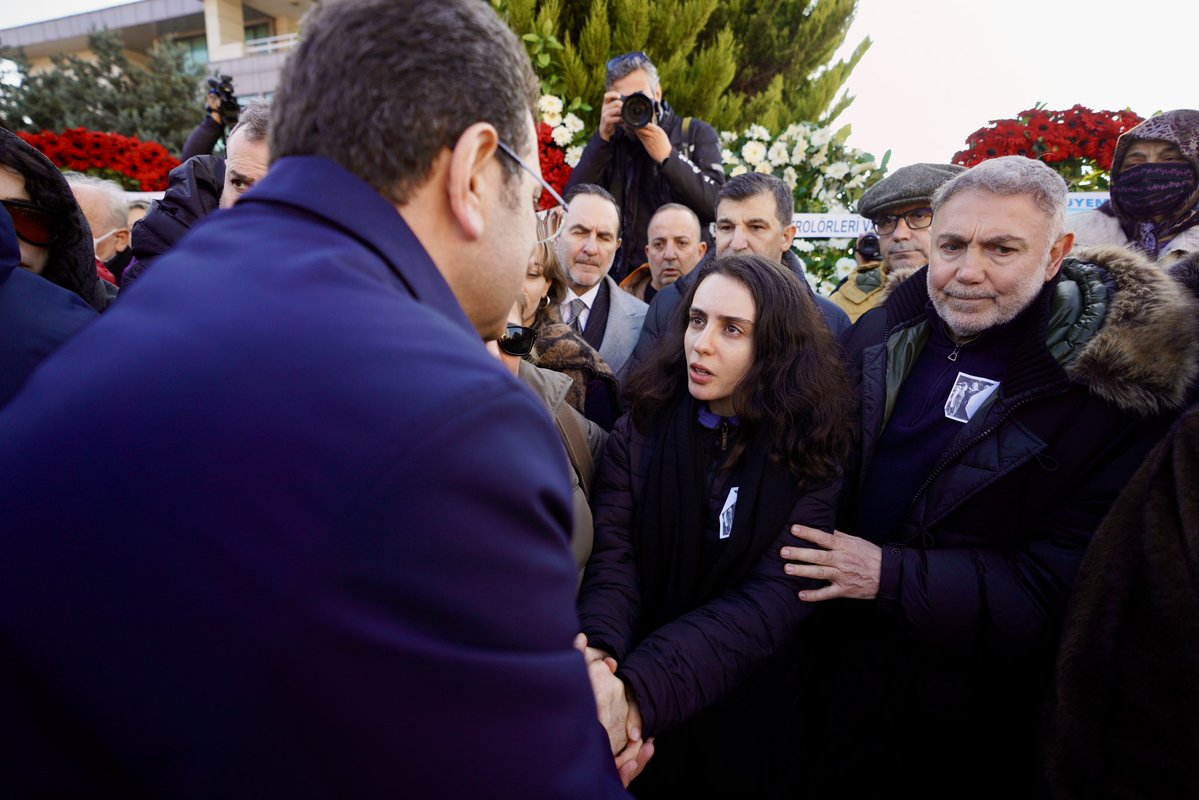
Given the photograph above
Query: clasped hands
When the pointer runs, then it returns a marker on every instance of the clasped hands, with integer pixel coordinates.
(618, 713)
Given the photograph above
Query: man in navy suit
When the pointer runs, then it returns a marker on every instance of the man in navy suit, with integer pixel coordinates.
(338, 563)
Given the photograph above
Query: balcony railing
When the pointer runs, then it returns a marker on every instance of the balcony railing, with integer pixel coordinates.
(271, 44)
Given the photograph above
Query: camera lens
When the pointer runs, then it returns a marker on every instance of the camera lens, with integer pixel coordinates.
(637, 111)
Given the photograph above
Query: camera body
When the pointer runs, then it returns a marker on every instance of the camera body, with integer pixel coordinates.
(222, 89)
(637, 110)
(868, 247)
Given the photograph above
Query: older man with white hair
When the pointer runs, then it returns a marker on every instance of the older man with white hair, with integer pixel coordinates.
(106, 207)
(1008, 392)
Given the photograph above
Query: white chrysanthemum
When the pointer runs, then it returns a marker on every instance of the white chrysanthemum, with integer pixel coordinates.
(758, 132)
(728, 156)
(764, 168)
(573, 154)
(778, 154)
(572, 123)
(738, 170)
(552, 119)
(728, 137)
(754, 153)
(818, 186)
(856, 182)
(837, 171)
(790, 176)
(863, 166)
(818, 159)
(837, 244)
(844, 266)
(799, 154)
(804, 246)
(549, 104)
(822, 137)
(562, 136)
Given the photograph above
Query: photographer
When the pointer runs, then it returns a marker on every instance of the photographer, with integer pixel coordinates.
(647, 156)
(200, 185)
(222, 110)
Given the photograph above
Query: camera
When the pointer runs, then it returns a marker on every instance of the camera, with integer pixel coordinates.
(637, 110)
(868, 247)
(222, 89)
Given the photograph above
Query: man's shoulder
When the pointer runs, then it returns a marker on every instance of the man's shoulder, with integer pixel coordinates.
(623, 301)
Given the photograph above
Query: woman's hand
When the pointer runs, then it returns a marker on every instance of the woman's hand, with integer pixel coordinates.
(852, 566)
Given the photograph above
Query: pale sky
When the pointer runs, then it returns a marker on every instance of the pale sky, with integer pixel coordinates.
(940, 69)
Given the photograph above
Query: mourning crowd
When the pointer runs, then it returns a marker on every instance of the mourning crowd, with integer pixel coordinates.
(341, 470)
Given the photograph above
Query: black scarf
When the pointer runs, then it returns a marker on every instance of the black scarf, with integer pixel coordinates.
(669, 523)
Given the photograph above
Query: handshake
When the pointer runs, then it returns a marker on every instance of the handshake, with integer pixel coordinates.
(618, 713)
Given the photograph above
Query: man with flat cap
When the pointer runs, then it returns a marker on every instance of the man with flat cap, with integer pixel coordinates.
(900, 207)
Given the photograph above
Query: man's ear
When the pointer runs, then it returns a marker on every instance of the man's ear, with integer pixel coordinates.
(658, 93)
(469, 183)
(1057, 253)
(789, 236)
(122, 237)
(703, 249)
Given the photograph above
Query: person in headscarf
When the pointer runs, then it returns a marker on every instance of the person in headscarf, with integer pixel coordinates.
(55, 239)
(1155, 189)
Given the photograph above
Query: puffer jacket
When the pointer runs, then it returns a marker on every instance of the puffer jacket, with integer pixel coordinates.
(193, 193)
(951, 663)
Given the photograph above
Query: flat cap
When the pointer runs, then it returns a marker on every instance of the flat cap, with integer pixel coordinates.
(911, 184)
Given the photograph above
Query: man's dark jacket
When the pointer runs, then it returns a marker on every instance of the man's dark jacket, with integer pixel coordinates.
(193, 192)
(950, 666)
(657, 319)
(345, 570)
(691, 175)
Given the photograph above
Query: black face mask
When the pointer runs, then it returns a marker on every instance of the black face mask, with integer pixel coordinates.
(1147, 191)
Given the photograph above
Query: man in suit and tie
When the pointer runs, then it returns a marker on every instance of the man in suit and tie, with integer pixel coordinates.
(608, 318)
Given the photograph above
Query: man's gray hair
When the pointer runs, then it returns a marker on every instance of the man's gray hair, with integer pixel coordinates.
(255, 120)
(115, 200)
(1013, 175)
(623, 66)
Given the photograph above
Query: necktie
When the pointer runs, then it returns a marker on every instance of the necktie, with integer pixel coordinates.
(577, 306)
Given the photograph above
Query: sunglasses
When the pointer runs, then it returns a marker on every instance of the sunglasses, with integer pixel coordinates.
(34, 224)
(518, 340)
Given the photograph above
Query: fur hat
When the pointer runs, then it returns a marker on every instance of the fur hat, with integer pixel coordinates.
(911, 184)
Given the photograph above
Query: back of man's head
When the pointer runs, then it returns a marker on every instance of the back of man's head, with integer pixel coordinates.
(383, 87)
(752, 184)
(1013, 175)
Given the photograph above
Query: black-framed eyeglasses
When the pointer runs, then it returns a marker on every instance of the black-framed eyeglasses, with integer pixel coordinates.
(34, 224)
(518, 340)
(916, 219)
(553, 222)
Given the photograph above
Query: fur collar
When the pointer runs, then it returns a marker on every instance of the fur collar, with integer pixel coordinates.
(1145, 355)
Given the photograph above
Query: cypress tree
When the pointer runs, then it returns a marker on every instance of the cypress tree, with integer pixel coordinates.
(731, 62)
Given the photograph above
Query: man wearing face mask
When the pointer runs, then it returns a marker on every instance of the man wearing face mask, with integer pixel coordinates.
(107, 211)
(1155, 188)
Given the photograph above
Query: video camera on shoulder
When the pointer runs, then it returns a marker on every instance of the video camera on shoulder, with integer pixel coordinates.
(868, 247)
(637, 110)
(222, 89)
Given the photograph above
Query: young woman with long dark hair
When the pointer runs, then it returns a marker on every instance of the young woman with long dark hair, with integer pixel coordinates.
(739, 427)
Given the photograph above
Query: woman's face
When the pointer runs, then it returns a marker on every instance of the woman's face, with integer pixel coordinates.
(719, 343)
(12, 187)
(536, 287)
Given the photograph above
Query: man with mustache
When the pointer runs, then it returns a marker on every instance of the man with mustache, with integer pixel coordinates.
(898, 205)
(1008, 391)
